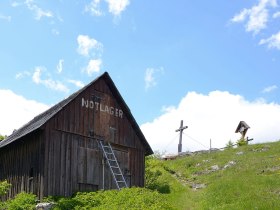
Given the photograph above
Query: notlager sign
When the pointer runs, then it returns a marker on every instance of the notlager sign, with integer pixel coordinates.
(89, 104)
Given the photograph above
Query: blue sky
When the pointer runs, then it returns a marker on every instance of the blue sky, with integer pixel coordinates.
(157, 52)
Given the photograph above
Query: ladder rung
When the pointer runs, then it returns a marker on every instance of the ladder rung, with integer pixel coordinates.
(112, 160)
(113, 164)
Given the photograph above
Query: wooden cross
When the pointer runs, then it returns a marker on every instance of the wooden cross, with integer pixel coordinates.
(180, 138)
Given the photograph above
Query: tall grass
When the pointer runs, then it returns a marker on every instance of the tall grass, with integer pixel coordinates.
(252, 182)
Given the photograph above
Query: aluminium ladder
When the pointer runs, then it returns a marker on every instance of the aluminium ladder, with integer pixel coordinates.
(113, 164)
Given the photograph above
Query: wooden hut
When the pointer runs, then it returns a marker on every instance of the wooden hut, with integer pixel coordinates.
(242, 128)
(61, 151)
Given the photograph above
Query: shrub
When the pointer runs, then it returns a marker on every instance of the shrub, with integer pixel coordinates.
(151, 178)
(241, 142)
(4, 187)
(89, 199)
(154, 176)
(127, 198)
(22, 201)
(136, 198)
(65, 204)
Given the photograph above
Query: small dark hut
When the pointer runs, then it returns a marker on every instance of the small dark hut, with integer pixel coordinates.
(62, 150)
(242, 128)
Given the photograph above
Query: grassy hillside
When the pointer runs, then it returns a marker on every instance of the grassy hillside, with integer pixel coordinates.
(247, 177)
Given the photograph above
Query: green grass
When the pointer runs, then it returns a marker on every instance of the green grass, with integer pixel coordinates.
(252, 182)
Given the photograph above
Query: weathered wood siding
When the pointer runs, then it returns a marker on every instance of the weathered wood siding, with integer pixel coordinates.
(73, 161)
(57, 153)
(21, 164)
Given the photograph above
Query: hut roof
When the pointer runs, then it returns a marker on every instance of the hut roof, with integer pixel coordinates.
(42, 118)
(240, 125)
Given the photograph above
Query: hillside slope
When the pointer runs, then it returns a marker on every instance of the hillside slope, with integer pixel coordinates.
(247, 177)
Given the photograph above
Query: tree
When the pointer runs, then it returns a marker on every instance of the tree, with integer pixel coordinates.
(229, 145)
(2, 137)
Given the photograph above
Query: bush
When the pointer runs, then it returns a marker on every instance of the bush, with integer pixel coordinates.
(127, 198)
(4, 187)
(135, 198)
(241, 142)
(66, 204)
(22, 201)
(82, 200)
(153, 176)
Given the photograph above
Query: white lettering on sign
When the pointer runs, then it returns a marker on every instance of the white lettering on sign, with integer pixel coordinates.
(102, 108)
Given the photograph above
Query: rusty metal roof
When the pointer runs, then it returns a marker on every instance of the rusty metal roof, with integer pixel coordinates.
(42, 118)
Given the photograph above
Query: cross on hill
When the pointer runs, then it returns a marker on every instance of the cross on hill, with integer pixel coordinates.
(180, 138)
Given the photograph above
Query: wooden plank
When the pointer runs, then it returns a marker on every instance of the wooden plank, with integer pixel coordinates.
(46, 161)
(50, 165)
(68, 189)
(74, 163)
(62, 161)
(81, 165)
(56, 163)
(90, 166)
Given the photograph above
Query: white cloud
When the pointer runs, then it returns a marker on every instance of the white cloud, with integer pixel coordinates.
(21, 75)
(37, 74)
(60, 19)
(241, 16)
(86, 44)
(55, 32)
(276, 15)
(15, 4)
(214, 116)
(272, 42)
(55, 85)
(94, 8)
(38, 12)
(257, 16)
(93, 66)
(77, 83)
(59, 66)
(269, 89)
(150, 80)
(92, 50)
(6, 18)
(49, 83)
(116, 7)
(16, 110)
